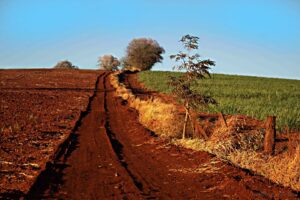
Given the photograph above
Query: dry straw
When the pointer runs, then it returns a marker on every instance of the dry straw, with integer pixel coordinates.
(161, 118)
(230, 143)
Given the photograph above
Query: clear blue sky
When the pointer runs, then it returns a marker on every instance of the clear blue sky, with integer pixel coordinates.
(254, 37)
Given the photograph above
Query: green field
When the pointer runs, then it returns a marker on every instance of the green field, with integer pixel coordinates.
(253, 96)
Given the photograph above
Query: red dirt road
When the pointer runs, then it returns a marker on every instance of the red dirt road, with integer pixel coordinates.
(111, 156)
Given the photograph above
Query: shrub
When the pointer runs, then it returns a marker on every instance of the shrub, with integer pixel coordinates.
(142, 54)
(108, 62)
(65, 65)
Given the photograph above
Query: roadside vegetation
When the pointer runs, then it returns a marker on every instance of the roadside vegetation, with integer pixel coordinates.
(230, 142)
(240, 147)
(253, 96)
(235, 140)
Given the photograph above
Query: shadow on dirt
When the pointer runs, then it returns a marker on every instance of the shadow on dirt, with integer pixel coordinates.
(13, 194)
(49, 180)
(118, 148)
(132, 84)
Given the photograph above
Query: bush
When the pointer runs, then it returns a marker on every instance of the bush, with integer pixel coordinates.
(108, 62)
(65, 65)
(142, 54)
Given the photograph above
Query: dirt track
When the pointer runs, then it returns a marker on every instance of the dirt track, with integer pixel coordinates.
(111, 156)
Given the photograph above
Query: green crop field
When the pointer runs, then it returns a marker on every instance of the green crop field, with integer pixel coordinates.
(253, 96)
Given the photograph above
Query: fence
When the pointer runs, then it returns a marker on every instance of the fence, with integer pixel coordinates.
(269, 126)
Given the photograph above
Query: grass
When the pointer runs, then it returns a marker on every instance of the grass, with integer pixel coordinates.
(253, 96)
(242, 149)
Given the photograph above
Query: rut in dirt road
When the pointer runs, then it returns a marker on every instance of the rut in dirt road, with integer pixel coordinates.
(112, 156)
(87, 168)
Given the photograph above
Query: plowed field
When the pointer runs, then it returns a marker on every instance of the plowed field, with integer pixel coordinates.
(39, 109)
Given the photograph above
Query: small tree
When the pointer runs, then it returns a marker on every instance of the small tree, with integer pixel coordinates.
(65, 65)
(143, 53)
(109, 62)
(195, 69)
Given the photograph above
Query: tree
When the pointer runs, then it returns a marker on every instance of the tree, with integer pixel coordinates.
(143, 53)
(195, 69)
(65, 65)
(109, 62)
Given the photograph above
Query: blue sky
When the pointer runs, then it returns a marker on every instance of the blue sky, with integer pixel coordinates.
(251, 37)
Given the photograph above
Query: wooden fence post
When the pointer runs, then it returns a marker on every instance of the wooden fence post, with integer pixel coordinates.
(270, 135)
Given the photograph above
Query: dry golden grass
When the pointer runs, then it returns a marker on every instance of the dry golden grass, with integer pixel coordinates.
(159, 117)
(240, 148)
(283, 169)
(236, 136)
(233, 143)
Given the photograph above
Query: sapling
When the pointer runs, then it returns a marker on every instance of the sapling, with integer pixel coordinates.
(194, 69)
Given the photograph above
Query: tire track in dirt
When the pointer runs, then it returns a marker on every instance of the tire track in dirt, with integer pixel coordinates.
(86, 167)
(117, 146)
(112, 156)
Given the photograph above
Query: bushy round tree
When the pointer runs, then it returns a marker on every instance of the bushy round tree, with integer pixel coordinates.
(108, 62)
(142, 54)
(65, 65)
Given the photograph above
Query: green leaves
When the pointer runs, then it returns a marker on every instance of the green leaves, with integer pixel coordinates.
(195, 69)
(190, 42)
(182, 89)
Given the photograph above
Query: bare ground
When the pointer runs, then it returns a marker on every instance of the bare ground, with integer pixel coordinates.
(111, 156)
(38, 110)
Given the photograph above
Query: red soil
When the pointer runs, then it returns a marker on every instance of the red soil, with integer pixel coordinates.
(109, 155)
(39, 109)
(112, 156)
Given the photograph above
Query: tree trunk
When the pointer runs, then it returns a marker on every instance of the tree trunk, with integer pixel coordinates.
(192, 120)
(185, 120)
(184, 125)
